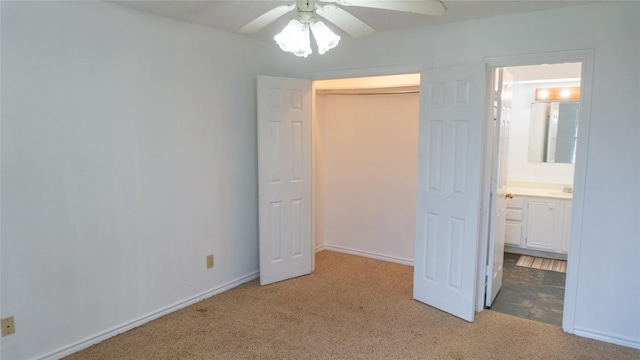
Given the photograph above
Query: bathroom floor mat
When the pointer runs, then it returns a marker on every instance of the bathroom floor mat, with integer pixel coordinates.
(542, 263)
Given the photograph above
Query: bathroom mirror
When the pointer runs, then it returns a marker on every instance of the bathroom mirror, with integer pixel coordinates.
(553, 129)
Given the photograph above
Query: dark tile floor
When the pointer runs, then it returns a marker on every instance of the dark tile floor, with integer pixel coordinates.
(530, 293)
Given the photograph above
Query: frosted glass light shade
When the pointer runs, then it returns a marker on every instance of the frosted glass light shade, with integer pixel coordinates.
(325, 38)
(294, 38)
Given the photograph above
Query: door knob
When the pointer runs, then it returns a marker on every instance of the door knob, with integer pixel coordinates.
(509, 195)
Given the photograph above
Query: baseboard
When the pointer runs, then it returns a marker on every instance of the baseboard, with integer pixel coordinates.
(610, 338)
(368, 254)
(83, 344)
(321, 248)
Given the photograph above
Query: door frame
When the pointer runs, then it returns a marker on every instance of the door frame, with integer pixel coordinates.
(586, 57)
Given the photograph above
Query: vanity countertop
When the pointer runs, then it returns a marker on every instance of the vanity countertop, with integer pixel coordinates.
(539, 190)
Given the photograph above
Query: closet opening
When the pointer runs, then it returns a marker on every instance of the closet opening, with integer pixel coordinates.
(365, 149)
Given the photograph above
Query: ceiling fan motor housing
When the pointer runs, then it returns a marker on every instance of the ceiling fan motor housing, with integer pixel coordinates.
(306, 11)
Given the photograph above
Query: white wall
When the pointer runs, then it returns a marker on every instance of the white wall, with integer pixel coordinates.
(128, 154)
(366, 185)
(519, 167)
(608, 288)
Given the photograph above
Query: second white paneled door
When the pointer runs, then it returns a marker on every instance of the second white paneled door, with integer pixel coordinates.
(449, 183)
(284, 178)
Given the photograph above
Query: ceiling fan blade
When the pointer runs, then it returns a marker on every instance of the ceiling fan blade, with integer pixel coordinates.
(426, 7)
(265, 19)
(347, 22)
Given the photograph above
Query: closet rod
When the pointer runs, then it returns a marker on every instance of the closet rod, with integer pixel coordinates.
(388, 92)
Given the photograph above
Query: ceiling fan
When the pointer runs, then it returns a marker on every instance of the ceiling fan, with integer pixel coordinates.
(294, 37)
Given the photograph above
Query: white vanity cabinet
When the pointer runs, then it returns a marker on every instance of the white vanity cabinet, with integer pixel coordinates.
(542, 224)
(538, 223)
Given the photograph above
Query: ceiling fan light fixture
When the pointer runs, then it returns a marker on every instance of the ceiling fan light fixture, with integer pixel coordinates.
(325, 38)
(294, 38)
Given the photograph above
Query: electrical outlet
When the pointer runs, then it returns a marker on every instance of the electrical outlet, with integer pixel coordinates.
(209, 261)
(8, 326)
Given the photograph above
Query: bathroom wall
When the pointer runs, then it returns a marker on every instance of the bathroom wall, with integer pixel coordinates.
(519, 167)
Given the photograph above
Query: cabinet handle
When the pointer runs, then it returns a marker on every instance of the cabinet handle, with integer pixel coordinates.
(509, 196)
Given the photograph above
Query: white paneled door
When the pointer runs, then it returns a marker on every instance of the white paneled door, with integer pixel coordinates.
(499, 186)
(449, 183)
(284, 178)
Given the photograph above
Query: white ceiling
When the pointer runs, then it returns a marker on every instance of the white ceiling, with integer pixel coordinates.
(230, 15)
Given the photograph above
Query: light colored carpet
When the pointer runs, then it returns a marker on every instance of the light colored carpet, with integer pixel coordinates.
(350, 308)
(542, 263)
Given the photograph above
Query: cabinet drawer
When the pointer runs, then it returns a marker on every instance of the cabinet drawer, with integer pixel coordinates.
(515, 214)
(513, 234)
(516, 203)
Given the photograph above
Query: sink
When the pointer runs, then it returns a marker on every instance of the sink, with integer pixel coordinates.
(560, 194)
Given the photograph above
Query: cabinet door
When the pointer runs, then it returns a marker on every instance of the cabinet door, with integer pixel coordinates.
(542, 223)
(513, 233)
(566, 227)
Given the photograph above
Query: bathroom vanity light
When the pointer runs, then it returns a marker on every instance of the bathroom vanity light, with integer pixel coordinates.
(558, 94)
(294, 38)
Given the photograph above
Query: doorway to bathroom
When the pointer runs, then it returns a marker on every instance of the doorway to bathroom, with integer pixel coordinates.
(535, 136)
